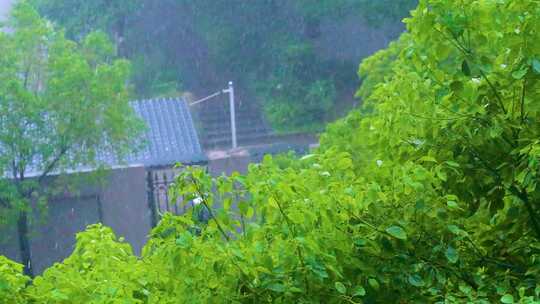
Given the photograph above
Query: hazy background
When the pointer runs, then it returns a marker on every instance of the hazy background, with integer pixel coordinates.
(4, 7)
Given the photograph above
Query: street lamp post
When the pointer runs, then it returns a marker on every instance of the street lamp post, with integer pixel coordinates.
(233, 114)
(230, 91)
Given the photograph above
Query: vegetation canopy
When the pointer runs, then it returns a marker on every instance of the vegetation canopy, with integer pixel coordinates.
(61, 104)
(427, 194)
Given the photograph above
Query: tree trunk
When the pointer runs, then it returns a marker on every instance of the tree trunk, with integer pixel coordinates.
(24, 243)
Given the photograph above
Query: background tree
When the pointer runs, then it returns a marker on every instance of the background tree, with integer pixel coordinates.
(270, 48)
(62, 104)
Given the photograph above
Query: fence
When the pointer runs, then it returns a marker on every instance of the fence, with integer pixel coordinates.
(159, 198)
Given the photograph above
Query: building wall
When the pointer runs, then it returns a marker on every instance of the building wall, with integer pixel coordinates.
(119, 201)
(227, 162)
(9, 242)
(125, 206)
(53, 236)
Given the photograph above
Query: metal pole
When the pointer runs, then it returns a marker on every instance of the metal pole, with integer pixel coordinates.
(233, 115)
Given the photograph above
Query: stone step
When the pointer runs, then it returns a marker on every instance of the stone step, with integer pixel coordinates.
(215, 126)
(226, 142)
(226, 116)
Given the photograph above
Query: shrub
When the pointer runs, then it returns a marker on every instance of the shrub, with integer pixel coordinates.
(12, 282)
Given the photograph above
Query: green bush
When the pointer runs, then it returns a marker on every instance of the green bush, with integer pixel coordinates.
(12, 282)
(100, 270)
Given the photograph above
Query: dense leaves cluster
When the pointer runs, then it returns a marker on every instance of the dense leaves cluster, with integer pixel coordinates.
(425, 195)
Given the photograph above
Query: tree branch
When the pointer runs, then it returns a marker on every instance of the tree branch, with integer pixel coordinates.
(499, 99)
(522, 195)
(206, 205)
(523, 101)
(51, 166)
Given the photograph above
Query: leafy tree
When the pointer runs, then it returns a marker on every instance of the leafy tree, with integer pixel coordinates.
(62, 104)
(81, 18)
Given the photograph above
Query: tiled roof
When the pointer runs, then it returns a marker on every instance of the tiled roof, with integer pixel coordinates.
(170, 136)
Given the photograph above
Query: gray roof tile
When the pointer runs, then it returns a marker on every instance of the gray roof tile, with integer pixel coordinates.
(171, 136)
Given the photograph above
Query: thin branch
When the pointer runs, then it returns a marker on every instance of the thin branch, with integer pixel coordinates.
(522, 195)
(433, 118)
(51, 166)
(468, 53)
(499, 99)
(291, 228)
(523, 100)
(206, 205)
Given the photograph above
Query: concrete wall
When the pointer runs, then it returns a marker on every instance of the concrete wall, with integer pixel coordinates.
(125, 206)
(119, 202)
(53, 236)
(9, 242)
(227, 162)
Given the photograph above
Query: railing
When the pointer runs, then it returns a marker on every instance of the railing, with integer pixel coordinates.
(159, 200)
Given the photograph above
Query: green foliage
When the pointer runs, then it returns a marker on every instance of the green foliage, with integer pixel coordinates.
(378, 67)
(65, 100)
(426, 195)
(82, 17)
(61, 103)
(12, 282)
(456, 112)
(100, 270)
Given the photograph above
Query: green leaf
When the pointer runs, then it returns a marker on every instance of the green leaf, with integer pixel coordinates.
(277, 287)
(297, 216)
(359, 292)
(507, 299)
(452, 164)
(454, 229)
(452, 255)
(416, 280)
(519, 74)
(485, 64)
(374, 283)
(340, 287)
(397, 232)
(227, 203)
(184, 240)
(456, 86)
(465, 68)
(452, 205)
(58, 295)
(344, 163)
(428, 158)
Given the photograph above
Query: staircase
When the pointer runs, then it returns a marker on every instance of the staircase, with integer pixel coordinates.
(213, 122)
